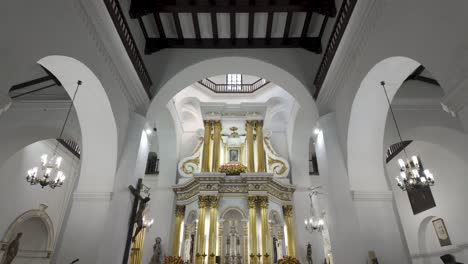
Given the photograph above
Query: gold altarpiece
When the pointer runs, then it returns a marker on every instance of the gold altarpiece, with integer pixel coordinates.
(221, 223)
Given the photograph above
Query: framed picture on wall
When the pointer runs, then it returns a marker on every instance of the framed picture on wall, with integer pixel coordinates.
(441, 232)
(421, 199)
(234, 155)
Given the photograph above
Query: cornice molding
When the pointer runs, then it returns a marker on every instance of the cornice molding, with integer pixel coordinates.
(451, 250)
(352, 45)
(92, 196)
(128, 83)
(378, 196)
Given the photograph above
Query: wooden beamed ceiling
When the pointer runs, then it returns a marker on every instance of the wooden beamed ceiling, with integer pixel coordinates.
(232, 9)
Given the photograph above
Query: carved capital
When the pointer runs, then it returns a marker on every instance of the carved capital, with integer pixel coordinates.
(214, 200)
(252, 201)
(202, 201)
(263, 201)
(288, 210)
(180, 210)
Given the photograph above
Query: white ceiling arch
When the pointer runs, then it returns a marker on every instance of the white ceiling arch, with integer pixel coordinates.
(305, 118)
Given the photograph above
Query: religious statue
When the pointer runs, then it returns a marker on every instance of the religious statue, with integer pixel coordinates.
(372, 258)
(11, 250)
(309, 253)
(279, 249)
(157, 252)
(275, 250)
(141, 210)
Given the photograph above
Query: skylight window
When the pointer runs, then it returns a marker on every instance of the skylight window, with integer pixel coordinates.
(234, 82)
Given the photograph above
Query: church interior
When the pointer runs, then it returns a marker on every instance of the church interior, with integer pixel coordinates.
(233, 132)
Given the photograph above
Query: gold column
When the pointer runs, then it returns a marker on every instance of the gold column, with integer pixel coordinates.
(179, 213)
(216, 145)
(288, 218)
(265, 230)
(252, 201)
(261, 158)
(202, 201)
(250, 147)
(137, 248)
(206, 147)
(212, 235)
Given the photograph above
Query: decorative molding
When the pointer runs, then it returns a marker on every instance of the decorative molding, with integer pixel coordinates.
(137, 98)
(378, 196)
(277, 165)
(92, 196)
(451, 250)
(191, 164)
(352, 46)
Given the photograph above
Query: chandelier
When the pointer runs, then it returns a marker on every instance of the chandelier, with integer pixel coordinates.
(412, 173)
(49, 173)
(314, 222)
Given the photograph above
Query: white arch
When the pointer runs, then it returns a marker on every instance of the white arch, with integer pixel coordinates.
(233, 208)
(367, 122)
(98, 128)
(305, 118)
(28, 215)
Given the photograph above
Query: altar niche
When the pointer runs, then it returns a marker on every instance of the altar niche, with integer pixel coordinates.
(233, 237)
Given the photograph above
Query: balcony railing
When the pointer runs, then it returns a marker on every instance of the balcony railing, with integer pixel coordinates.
(233, 88)
(396, 148)
(71, 146)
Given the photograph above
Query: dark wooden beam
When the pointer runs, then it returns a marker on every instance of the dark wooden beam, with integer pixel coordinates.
(251, 25)
(324, 25)
(214, 25)
(305, 28)
(143, 28)
(31, 83)
(310, 43)
(232, 23)
(269, 25)
(287, 26)
(178, 27)
(416, 75)
(244, 7)
(157, 19)
(196, 25)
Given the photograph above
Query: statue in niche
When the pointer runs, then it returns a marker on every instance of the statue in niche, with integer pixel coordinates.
(157, 252)
(309, 253)
(279, 249)
(372, 258)
(275, 250)
(11, 250)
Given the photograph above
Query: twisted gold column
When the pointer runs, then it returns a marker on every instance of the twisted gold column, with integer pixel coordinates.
(250, 147)
(265, 230)
(202, 201)
(212, 235)
(179, 213)
(216, 145)
(288, 218)
(261, 157)
(252, 201)
(206, 147)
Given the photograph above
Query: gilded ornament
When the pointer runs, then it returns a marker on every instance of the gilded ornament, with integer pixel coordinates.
(202, 200)
(288, 210)
(180, 210)
(277, 161)
(251, 201)
(190, 169)
(263, 201)
(214, 200)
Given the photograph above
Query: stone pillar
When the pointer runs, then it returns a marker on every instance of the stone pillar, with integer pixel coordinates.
(250, 145)
(252, 202)
(206, 147)
(179, 213)
(245, 225)
(212, 234)
(288, 219)
(216, 145)
(202, 201)
(186, 250)
(265, 230)
(261, 157)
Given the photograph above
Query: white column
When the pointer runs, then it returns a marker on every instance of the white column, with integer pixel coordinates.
(342, 220)
(108, 212)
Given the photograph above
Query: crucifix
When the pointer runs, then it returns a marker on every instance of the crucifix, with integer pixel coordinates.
(139, 206)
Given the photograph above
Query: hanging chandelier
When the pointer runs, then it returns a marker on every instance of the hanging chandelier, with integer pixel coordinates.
(412, 173)
(314, 223)
(49, 173)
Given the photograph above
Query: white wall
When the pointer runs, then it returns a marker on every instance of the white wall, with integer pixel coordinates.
(19, 196)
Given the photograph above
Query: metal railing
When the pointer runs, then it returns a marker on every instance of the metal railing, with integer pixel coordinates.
(71, 146)
(233, 88)
(396, 148)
